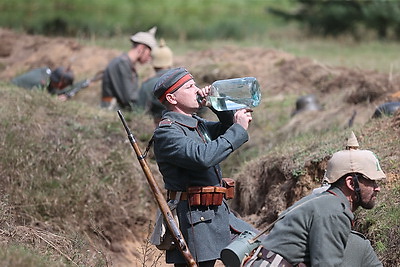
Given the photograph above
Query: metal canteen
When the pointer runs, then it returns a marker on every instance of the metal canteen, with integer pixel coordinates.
(238, 249)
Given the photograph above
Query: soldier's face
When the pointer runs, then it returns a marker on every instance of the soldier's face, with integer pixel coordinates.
(368, 191)
(144, 54)
(186, 96)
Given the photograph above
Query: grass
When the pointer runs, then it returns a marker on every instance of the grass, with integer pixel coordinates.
(62, 163)
(18, 256)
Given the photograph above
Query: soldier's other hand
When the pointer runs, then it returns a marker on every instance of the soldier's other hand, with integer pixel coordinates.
(203, 93)
(243, 117)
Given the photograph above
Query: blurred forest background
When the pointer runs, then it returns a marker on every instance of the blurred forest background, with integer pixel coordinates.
(202, 19)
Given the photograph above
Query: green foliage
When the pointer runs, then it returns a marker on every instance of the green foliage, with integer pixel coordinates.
(18, 256)
(352, 17)
(179, 19)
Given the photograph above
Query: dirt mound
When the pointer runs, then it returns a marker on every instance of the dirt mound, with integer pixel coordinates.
(347, 96)
(19, 53)
(270, 186)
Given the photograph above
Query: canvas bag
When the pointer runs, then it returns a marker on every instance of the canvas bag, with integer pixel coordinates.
(161, 236)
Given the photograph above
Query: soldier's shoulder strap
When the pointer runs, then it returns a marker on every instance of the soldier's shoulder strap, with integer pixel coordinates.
(165, 122)
(358, 234)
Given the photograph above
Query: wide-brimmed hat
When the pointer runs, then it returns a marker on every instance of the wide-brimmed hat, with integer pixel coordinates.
(147, 38)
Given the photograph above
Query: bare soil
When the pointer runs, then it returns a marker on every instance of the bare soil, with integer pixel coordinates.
(341, 92)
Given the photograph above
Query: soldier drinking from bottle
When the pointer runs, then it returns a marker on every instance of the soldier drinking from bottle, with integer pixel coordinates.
(188, 151)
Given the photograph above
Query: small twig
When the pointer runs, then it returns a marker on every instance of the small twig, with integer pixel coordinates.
(54, 247)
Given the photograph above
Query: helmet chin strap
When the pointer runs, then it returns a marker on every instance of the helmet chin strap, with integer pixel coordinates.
(357, 188)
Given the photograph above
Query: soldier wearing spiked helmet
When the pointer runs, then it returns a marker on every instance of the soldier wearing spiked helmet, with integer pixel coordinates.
(120, 80)
(316, 230)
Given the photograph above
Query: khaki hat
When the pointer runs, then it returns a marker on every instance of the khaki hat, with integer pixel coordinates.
(353, 161)
(162, 56)
(146, 38)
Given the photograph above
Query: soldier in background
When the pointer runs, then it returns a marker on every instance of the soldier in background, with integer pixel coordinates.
(120, 82)
(162, 62)
(59, 82)
(307, 102)
(54, 81)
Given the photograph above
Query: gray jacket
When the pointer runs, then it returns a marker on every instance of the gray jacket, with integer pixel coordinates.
(186, 158)
(146, 98)
(314, 230)
(34, 79)
(120, 80)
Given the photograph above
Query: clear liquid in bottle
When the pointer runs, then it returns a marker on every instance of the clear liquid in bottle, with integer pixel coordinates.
(233, 94)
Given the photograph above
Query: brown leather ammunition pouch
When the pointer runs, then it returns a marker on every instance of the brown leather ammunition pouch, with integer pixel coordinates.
(206, 195)
(229, 184)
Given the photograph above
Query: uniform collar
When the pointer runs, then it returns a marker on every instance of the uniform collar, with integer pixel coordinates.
(337, 192)
(188, 121)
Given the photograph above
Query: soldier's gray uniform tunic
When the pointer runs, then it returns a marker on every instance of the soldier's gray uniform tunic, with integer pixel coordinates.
(314, 230)
(359, 252)
(35, 79)
(184, 160)
(120, 80)
(146, 98)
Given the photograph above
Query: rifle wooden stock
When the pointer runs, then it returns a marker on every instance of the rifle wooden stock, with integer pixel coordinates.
(162, 203)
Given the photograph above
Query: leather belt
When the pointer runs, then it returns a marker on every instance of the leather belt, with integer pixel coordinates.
(201, 195)
(274, 258)
(172, 195)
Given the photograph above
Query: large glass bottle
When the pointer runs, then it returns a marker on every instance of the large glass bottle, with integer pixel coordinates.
(233, 94)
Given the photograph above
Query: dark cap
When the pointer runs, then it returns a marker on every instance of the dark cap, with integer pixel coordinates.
(62, 74)
(307, 102)
(171, 81)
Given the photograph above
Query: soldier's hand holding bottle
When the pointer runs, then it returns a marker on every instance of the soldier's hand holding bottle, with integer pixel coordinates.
(243, 117)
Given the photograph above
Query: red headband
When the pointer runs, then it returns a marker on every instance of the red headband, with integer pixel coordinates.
(175, 86)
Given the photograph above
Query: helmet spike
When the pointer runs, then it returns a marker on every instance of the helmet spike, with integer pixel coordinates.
(352, 143)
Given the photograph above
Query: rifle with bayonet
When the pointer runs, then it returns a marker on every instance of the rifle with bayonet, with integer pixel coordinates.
(162, 203)
(72, 90)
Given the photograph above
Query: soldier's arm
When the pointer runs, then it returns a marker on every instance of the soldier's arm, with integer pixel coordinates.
(370, 259)
(186, 152)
